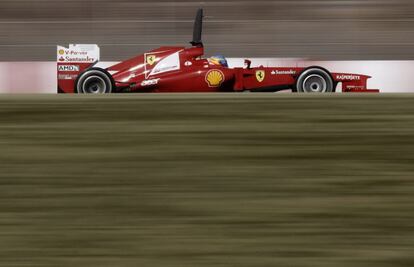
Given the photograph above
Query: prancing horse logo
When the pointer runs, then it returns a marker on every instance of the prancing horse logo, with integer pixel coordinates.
(260, 75)
(151, 59)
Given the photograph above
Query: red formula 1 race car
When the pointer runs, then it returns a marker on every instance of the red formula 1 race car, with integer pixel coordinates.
(180, 69)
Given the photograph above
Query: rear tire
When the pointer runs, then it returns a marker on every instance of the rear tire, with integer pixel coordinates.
(94, 81)
(315, 80)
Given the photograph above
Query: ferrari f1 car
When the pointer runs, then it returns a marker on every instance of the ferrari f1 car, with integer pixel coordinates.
(180, 69)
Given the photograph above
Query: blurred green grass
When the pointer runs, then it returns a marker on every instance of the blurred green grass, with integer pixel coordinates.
(207, 180)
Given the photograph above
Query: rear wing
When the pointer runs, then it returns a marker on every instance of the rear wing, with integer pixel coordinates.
(72, 61)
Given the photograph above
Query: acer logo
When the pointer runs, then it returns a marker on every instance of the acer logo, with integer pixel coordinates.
(67, 76)
(150, 82)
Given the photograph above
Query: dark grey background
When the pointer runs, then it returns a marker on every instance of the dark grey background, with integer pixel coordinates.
(324, 29)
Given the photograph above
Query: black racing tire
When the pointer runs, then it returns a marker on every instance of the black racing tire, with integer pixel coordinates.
(315, 80)
(94, 81)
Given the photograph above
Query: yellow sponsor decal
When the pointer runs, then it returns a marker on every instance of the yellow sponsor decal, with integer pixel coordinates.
(214, 78)
(61, 52)
(260, 75)
(151, 59)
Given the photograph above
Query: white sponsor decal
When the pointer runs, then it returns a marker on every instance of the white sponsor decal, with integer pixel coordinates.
(78, 53)
(67, 76)
(355, 87)
(129, 78)
(283, 72)
(86, 59)
(150, 82)
(69, 68)
(165, 69)
(348, 77)
(167, 64)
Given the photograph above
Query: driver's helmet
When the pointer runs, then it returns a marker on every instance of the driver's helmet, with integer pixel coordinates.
(219, 60)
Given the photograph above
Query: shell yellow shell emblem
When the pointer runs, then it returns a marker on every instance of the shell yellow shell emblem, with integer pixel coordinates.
(260, 75)
(214, 78)
(61, 52)
(151, 59)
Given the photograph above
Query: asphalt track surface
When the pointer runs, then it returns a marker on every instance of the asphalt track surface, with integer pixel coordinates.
(321, 29)
(207, 180)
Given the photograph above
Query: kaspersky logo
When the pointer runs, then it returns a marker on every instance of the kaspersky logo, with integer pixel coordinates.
(343, 77)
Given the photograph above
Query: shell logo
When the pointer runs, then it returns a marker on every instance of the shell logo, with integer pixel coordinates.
(61, 52)
(214, 78)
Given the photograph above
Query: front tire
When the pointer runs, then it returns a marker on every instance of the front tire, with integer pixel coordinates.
(315, 80)
(94, 81)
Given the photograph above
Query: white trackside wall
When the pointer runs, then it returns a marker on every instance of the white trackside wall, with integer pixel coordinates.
(388, 76)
